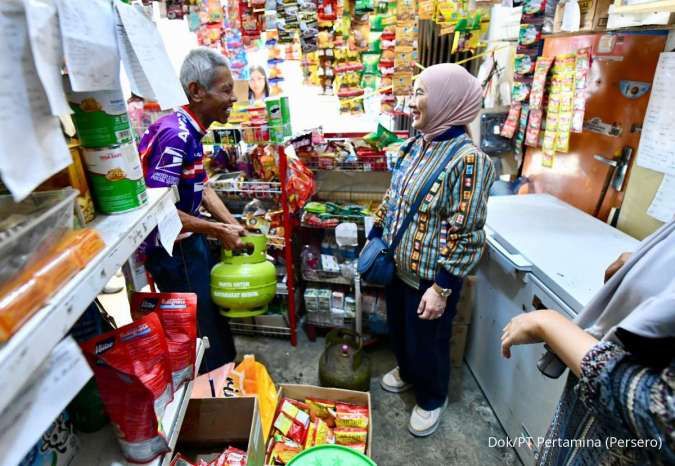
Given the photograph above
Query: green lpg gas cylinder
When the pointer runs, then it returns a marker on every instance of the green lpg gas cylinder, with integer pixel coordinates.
(244, 282)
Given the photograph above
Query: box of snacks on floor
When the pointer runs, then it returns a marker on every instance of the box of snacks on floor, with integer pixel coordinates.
(307, 416)
(221, 432)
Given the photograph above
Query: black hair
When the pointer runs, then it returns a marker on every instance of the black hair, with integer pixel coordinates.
(260, 70)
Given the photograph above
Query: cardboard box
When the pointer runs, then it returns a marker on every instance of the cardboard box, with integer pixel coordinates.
(594, 15)
(465, 303)
(302, 392)
(458, 344)
(213, 424)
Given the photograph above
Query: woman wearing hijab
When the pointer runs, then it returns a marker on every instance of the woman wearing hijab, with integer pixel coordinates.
(618, 406)
(443, 241)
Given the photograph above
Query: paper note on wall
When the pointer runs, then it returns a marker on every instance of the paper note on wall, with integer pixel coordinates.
(147, 52)
(89, 43)
(663, 205)
(657, 142)
(32, 146)
(45, 40)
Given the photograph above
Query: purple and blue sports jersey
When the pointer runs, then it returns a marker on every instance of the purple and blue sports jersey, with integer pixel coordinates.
(172, 154)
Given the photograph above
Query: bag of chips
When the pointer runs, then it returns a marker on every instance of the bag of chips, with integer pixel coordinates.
(292, 422)
(322, 409)
(178, 314)
(133, 373)
(351, 416)
(350, 436)
(381, 138)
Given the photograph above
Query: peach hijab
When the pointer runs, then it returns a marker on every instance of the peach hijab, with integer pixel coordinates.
(454, 98)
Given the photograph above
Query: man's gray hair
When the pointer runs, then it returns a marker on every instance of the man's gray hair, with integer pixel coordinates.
(200, 67)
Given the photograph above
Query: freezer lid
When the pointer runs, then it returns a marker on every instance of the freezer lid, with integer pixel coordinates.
(569, 250)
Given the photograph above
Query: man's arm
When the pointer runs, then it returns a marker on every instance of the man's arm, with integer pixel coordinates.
(227, 234)
(212, 202)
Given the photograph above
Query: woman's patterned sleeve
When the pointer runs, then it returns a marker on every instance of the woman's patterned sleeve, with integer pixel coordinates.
(631, 399)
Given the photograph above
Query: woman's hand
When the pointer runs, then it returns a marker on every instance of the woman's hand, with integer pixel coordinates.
(432, 305)
(524, 330)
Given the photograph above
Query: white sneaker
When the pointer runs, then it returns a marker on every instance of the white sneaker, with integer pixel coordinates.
(392, 382)
(424, 423)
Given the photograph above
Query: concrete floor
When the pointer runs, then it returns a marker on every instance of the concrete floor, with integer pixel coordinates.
(462, 438)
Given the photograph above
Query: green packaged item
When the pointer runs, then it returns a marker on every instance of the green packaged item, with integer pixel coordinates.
(370, 60)
(315, 207)
(363, 6)
(370, 81)
(273, 106)
(376, 23)
(100, 117)
(116, 178)
(381, 138)
(375, 45)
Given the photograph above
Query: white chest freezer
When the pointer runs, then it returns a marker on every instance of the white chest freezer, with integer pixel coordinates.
(541, 253)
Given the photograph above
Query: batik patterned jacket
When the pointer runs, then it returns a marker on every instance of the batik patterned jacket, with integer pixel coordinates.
(445, 239)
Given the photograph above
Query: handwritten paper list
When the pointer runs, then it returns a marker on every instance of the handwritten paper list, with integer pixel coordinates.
(657, 143)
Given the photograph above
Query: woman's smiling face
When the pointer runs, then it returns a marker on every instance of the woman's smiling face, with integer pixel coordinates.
(418, 105)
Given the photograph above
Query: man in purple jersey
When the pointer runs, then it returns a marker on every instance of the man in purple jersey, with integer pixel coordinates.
(172, 155)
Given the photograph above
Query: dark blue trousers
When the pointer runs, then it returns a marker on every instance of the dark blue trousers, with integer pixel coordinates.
(422, 347)
(189, 270)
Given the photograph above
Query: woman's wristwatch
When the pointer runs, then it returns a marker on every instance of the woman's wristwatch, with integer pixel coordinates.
(442, 292)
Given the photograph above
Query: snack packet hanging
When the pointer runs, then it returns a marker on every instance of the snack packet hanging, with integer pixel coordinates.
(381, 138)
(177, 313)
(133, 373)
(511, 123)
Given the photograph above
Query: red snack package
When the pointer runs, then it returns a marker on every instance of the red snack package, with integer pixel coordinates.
(293, 421)
(132, 370)
(351, 416)
(178, 314)
(511, 123)
(231, 457)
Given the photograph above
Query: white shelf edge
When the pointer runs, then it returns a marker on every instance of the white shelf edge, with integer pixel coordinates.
(26, 350)
(102, 449)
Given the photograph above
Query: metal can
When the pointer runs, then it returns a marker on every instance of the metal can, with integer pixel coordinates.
(100, 117)
(116, 178)
(273, 105)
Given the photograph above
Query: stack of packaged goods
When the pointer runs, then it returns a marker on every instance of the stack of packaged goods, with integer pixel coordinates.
(404, 51)
(310, 68)
(326, 49)
(527, 68)
(138, 367)
(387, 57)
(252, 19)
(287, 20)
(348, 70)
(275, 58)
(299, 425)
(309, 26)
(109, 151)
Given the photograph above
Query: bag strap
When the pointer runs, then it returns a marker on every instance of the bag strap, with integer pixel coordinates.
(422, 194)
